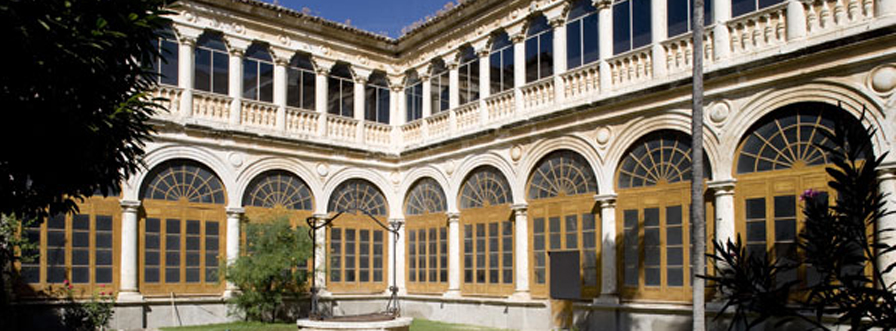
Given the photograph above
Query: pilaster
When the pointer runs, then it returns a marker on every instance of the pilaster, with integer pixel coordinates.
(605, 39)
(281, 61)
(658, 33)
(721, 39)
(723, 190)
(886, 181)
(128, 285)
(235, 85)
(234, 215)
(608, 290)
(453, 255)
(185, 80)
(521, 252)
(558, 23)
(485, 84)
(519, 68)
(321, 71)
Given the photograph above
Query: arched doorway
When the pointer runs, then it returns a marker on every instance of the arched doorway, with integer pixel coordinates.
(486, 233)
(427, 238)
(357, 244)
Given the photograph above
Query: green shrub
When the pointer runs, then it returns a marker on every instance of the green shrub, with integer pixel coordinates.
(270, 272)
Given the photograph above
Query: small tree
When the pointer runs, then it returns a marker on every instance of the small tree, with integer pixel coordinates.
(270, 273)
(839, 251)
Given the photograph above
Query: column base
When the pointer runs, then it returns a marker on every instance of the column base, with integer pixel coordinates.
(129, 296)
(452, 294)
(607, 299)
(230, 293)
(520, 296)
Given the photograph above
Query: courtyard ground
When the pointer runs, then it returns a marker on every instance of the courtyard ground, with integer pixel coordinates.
(417, 325)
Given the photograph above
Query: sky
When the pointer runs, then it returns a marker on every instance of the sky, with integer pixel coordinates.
(379, 16)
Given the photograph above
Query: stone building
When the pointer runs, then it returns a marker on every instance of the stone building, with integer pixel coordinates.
(499, 134)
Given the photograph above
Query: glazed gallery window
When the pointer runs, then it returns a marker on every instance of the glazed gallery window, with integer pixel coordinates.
(778, 159)
(561, 196)
(258, 74)
(427, 235)
(652, 210)
(631, 25)
(468, 76)
(278, 188)
(211, 65)
(741, 7)
(357, 243)
(376, 98)
(78, 247)
(539, 49)
(165, 66)
(678, 16)
(501, 64)
(413, 92)
(183, 233)
(340, 91)
(439, 90)
(582, 37)
(487, 233)
(300, 83)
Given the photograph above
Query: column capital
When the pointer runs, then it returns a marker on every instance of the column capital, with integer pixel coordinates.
(601, 4)
(606, 200)
(557, 22)
(518, 38)
(483, 52)
(237, 211)
(886, 171)
(453, 217)
(322, 66)
(187, 40)
(130, 205)
(282, 56)
(519, 209)
(399, 220)
(722, 187)
(237, 52)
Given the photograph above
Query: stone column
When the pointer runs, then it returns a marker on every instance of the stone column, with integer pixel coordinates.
(454, 268)
(608, 281)
(360, 85)
(485, 84)
(280, 90)
(320, 254)
(887, 185)
(396, 267)
(519, 69)
(235, 85)
(521, 250)
(453, 84)
(320, 98)
(559, 56)
(128, 285)
(605, 38)
(658, 34)
(185, 77)
(427, 104)
(721, 40)
(724, 209)
(234, 215)
(796, 20)
(397, 117)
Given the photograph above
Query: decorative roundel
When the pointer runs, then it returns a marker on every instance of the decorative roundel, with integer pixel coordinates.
(425, 197)
(484, 187)
(358, 195)
(183, 180)
(278, 189)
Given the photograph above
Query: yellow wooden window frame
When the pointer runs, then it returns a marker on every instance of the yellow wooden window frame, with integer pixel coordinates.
(486, 218)
(356, 223)
(429, 223)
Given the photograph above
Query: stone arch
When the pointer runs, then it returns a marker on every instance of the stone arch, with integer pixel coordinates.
(427, 171)
(487, 159)
(321, 202)
(849, 98)
(203, 188)
(260, 166)
(544, 147)
(629, 134)
(164, 153)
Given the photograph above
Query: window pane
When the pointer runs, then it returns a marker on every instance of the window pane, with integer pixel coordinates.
(202, 70)
(169, 63)
(266, 82)
(740, 7)
(590, 38)
(220, 77)
(250, 79)
(677, 16)
(767, 3)
(507, 61)
(531, 59)
(621, 28)
(546, 57)
(308, 88)
(574, 44)
(640, 23)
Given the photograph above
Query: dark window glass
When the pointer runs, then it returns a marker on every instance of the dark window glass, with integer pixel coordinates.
(168, 62)
(622, 27)
(539, 50)
(501, 64)
(740, 7)
(678, 15)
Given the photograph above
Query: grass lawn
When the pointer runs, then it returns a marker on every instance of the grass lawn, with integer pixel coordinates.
(417, 325)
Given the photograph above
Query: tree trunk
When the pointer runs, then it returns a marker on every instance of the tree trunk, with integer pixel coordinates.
(697, 206)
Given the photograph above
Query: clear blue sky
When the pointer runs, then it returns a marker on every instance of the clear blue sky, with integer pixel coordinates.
(379, 16)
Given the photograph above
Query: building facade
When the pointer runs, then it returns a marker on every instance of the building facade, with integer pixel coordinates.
(506, 137)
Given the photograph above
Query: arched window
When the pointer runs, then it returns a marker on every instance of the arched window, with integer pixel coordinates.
(468, 76)
(539, 49)
(183, 233)
(778, 159)
(258, 74)
(278, 189)
(376, 106)
(427, 237)
(439, 90)
(631, 25)
(165, 66)
(582, 37)
(561, 215)
(653, 182)
(501, 63)
(413, 91)
(357, 244)
(340, 94)
(300, 82)
(487, 233)
(678, 15)
(741, 7)
(212, 64)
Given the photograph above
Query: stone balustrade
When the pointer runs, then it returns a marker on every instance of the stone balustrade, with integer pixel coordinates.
(210, 106)
(301, 121)
(631, 68)
(169, 97)
(438, 125)
(377, 134)
(412, 133)
(581, 82)
(759, 30)
(342, 128)
(500, 105)
(680, 52)
(467, 116)
(825, 15)
(258, 114)
(539, 93)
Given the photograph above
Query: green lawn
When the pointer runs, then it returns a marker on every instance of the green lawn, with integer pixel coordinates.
(417, 325)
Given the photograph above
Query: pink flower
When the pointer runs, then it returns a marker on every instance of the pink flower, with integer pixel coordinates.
(65, 282)
(102, 285)
(102, 293)
(70, 287)
(809, 194)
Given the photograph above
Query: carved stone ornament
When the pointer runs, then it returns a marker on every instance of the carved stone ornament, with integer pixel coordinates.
(449, 167)
(236, 159)
(719, 112)
(283, 39)
(190, 17)
(603, 135)
(363, 59)
(883, 79)
(323, 169)
(516, 152)
(324, 50)
(238, 28)
(395, 177)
